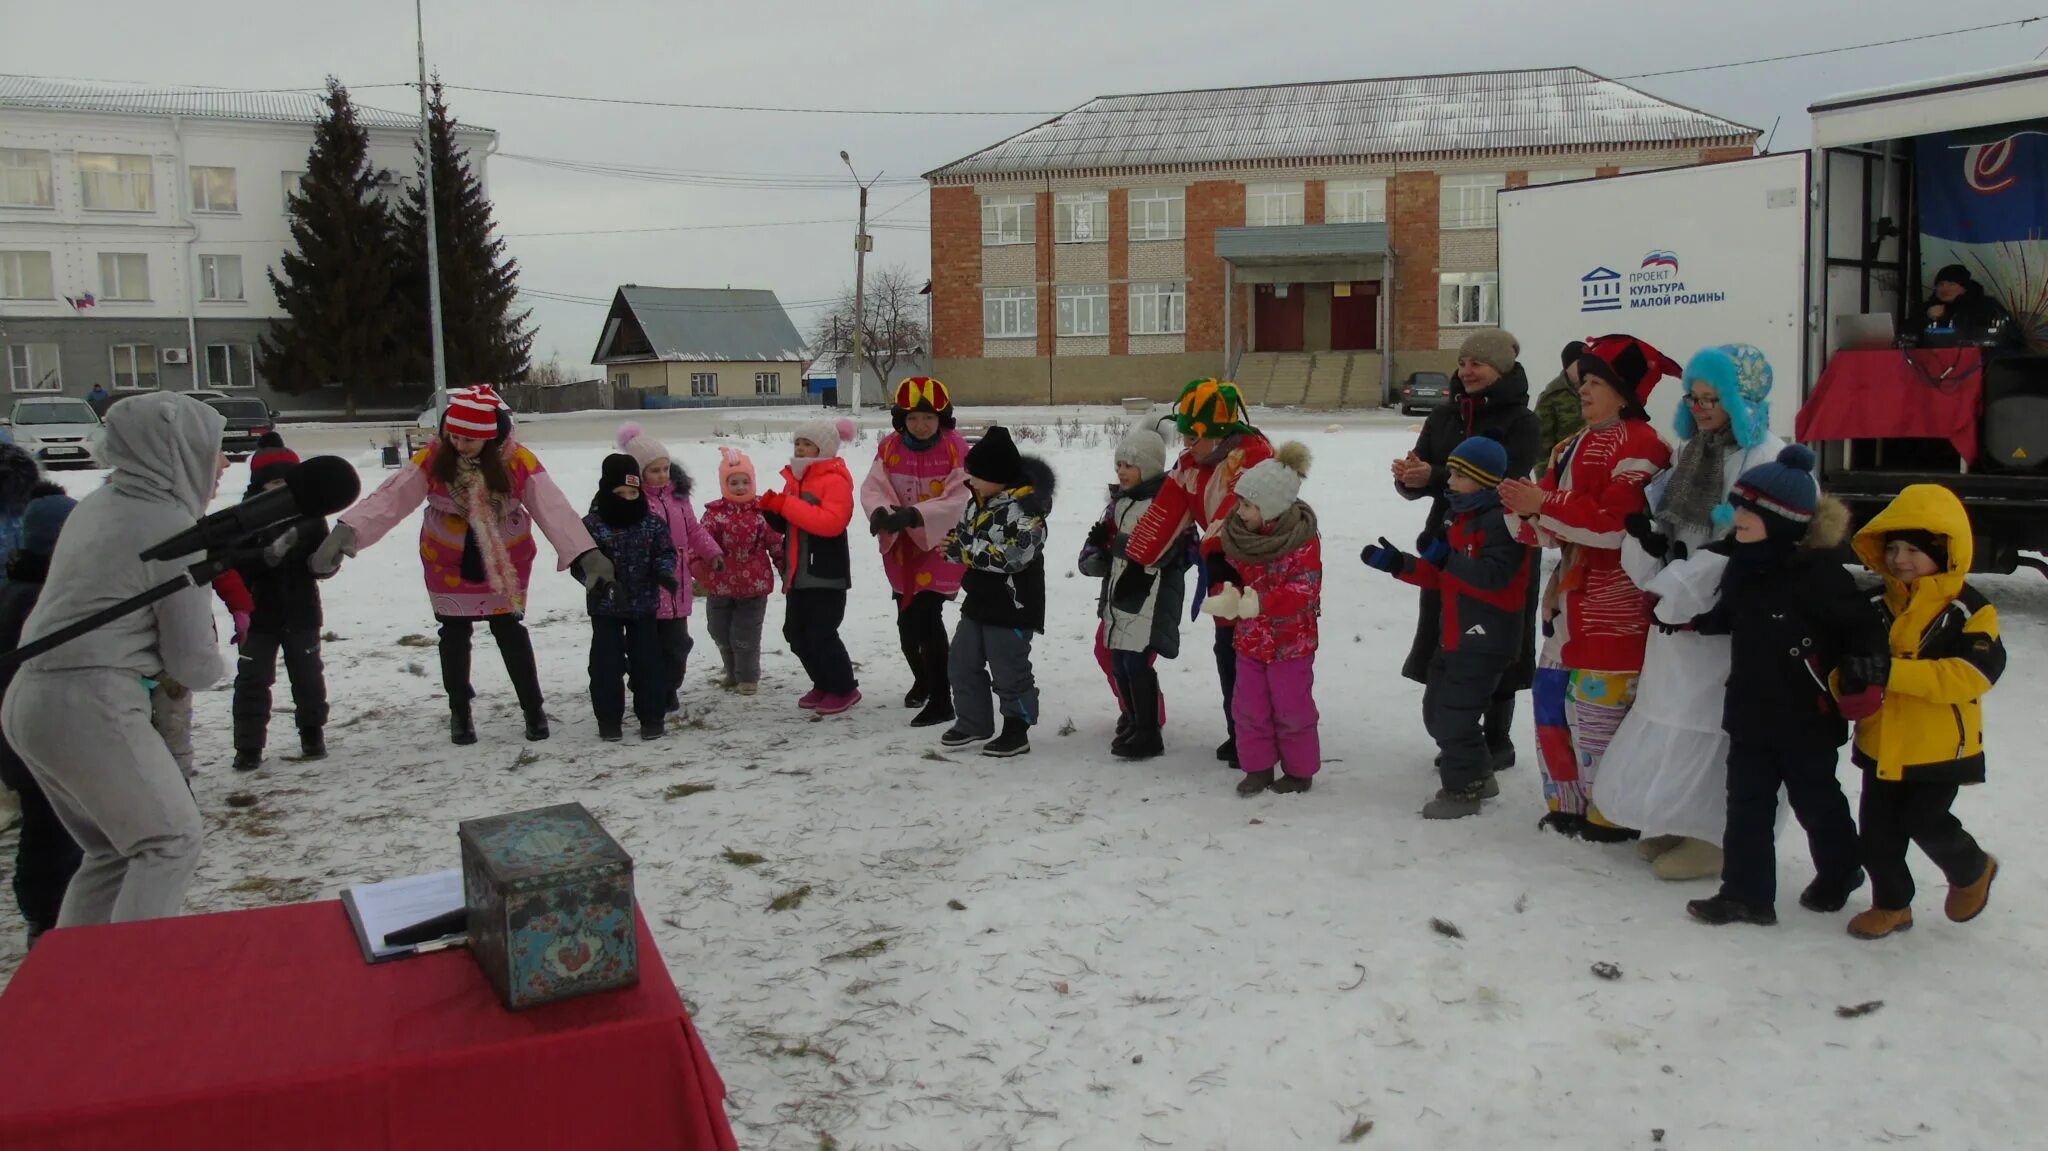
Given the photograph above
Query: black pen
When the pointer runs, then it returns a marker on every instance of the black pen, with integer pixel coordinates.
(449, 923)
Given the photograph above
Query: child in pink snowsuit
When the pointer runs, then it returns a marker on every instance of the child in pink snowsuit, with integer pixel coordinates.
(667, 489)
(1271, 538)
(736, 586)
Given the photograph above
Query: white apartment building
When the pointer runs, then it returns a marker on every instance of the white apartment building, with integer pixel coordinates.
(137, 225)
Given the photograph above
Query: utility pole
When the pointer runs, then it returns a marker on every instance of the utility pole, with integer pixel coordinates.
(433, 240)
(862, 243)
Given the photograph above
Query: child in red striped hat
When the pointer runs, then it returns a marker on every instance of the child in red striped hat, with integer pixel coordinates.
(285, 618)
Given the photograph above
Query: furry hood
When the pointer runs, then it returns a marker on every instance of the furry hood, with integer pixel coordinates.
(18, 477)
(1035, 494)
(1830, 525)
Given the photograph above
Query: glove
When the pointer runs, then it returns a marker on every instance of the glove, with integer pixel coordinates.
(597, 569)
(1679, 551)
(1224, 604)
(1860, 672)
(326, 559)
(877, 521)
(1644, 530)
(1100, 534)
(1385, 557)
(899, 519)
(1131, 588)
(1437, 552)
(241, 619)
(1248, 604)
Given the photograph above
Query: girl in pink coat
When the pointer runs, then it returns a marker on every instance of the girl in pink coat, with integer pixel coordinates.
(484, 494)
(913, 498)
(736, 587)
(667, 487)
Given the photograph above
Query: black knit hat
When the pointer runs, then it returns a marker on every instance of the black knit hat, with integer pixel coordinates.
(1573, 351)
(994, 458)
(1954, 274)
(1933, 545)
(620, 471)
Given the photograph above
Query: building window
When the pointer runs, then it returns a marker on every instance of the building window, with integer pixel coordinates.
(1561, 175)
(1355, 202)
(623, 380)
(1158, 214)
(1009, 220)
(1080, 218)
(1272, 205)
(1009, 313)
(220, 278)
(1467, 201)
(134, 367)
(229, 366)
(1084, 310)
(111, 182)
(1159, 309)
(767, 383)
(25, 276)
(25, 178)
(291, 182)
(703, 384)
(213, 189)
(1468, 299)
(124, 276)
(34, 368)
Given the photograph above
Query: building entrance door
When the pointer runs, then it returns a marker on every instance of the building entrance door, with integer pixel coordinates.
(1277, 312)
(1355, 316)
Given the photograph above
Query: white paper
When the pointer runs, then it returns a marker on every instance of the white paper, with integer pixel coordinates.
(400, 903)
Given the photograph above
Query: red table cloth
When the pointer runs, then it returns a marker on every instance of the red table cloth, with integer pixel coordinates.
(265, 1029)
(1890, 393)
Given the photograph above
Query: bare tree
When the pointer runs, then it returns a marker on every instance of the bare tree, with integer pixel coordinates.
(893, 316)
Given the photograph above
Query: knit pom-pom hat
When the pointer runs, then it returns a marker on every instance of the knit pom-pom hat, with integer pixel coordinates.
(476, 413)
(1274, 484)
(734, 462)
(644, 449)
(1481, 459)
(829, 435)
(1783, 490)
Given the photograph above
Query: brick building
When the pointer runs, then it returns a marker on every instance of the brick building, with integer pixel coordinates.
(1315, 242)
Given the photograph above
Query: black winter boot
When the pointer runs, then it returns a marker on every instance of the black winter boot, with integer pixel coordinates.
(1014, 740)
(939, 710)
(455, 645)
(1564, 823)
(248, 760)
(652, 729)
(312, 745)
(1829, 896)
(1227, 752)
(461, 725)
(537, 726)
(610, 732)
(1722, 910)
(1144, 740)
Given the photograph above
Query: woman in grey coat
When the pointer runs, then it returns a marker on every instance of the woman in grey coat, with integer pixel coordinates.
(80, 715)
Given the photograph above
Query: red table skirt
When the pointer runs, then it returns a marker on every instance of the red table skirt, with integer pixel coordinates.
(266, 1029)
(1884, 394)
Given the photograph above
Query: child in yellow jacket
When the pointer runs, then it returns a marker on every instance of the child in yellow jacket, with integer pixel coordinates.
(1928, 738)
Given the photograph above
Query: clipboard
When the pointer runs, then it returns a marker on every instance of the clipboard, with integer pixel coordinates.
(378, 909)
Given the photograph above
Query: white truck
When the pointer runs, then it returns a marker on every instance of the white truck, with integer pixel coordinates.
(1797, 252)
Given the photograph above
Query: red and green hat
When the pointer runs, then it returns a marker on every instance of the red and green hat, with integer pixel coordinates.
(1210, 409)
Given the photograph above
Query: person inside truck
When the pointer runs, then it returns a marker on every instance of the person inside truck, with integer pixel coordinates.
(1959, 308)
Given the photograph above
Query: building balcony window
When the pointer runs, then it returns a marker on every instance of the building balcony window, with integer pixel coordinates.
(1009, 219)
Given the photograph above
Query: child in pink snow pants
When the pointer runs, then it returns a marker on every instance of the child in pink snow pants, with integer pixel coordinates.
(1271, 539)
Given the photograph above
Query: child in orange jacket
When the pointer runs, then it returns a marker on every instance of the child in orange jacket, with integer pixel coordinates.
(812, 510)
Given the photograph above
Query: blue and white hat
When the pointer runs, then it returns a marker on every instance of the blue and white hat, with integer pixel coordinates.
(1741, 375)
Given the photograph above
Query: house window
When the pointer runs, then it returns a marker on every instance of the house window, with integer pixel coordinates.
(703, 384)
(623, 380)
(1561, 175)
(25, 178)
(33, 368)
(229, 366)
(220, 278)
(1159, 309)
(113, 182)
(25, 276)
(134, 367)
(1467, 201)
(1009, 220)
(1468, 299)
(213, 189)
(291, 182)
(124, 276)
(1009, 313)
(1158, 214)
(1084, 310)
(1080, 218)
(767, 383)
(1272, 205)
(1355, 202)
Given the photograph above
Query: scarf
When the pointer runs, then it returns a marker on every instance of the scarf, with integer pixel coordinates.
(1283, 535)
(1465, 502)
(482, 508)
(917, 445)
(798, 465)
(615, 512)
(1696, 482)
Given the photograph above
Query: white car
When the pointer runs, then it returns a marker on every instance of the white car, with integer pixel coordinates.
(58, 431)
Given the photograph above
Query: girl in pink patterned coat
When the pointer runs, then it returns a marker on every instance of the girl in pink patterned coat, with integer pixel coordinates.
(913, 498)
(668, 495)
(484, 494)
(736, 585)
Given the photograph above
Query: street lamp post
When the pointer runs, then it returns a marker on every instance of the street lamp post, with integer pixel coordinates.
(862, 243)
(433, 241)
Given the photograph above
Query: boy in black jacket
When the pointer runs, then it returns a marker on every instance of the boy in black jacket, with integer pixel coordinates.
(1795, 618)
(1001, 540)
(1481, 574)
(286, 618)
(46, 856)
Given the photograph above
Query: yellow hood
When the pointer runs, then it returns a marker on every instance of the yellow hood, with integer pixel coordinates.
(1921, 507)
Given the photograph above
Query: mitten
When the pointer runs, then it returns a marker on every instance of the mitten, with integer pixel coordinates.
(1248, 604)
(1860, 704)
(1223, 604)
(878, 521)
(1100, 534)
(326, 559)
(1385, 557)
(1859, 672)
(597, 569)
(1644, 530)
(1437, 552)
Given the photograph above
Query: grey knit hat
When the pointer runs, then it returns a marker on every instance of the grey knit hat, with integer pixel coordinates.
(1142, 448)
(1273, 485)
(1495, 347)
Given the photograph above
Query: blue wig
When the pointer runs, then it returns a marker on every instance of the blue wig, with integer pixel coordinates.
(1742, 377)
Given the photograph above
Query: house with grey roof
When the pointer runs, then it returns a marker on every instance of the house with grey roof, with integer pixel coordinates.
(1317, 242)
(710, 347)
(137, 223)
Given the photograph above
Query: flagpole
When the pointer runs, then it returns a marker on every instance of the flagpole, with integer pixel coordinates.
(433, 240)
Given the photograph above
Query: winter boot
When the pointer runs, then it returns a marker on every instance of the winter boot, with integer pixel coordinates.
(652, 729)
(836, 704)
(312, 745)
(610, 732)
(917, 696)
(515, 646)
(1292, 784)
(1255, 782)
(1015, 739)
(248, 760)
(936, 712)
(959, 737)
(809, 700)
(1722, 910)
(1967, 903)
(1599, 830)
(1565, 823)
(1449, 804)
(1691, 859)
(1878, 922)
(675, 702)
(728, 681)
(1227, 752)
(1650, 847)
(1143, 740)
(461, 726)
(1827, 896)
(537, 726)
(749, 688)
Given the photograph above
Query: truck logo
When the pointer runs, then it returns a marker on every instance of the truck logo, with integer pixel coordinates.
(1987, 167)
(1600, 290)
(1661, 259)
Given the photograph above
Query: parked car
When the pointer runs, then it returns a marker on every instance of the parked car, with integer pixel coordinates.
(248, 421)
(1424, 392)
(57, 430)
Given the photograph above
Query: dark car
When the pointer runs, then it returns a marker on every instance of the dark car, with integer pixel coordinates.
(1425, 391)
(248, 422)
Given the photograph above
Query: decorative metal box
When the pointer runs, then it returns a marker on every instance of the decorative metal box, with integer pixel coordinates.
(550, 899)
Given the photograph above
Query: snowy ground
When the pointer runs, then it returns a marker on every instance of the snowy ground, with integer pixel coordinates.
(1064, 951)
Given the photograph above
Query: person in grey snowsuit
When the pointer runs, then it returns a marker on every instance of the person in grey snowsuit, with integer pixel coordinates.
(1001, 541)
(1138, 606)
(79, 716)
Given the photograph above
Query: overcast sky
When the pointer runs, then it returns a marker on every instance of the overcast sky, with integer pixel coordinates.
(1029, 59)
